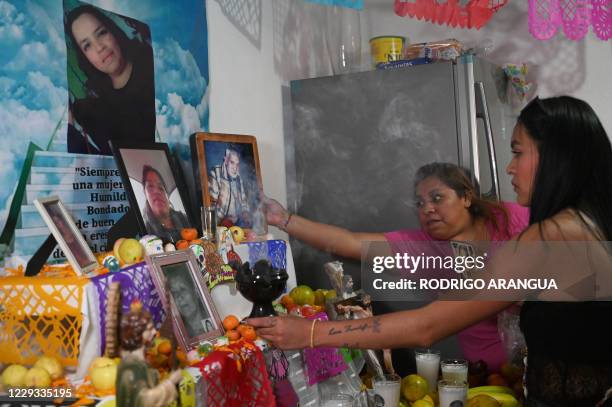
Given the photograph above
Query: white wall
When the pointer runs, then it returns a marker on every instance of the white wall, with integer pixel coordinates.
(247, 70)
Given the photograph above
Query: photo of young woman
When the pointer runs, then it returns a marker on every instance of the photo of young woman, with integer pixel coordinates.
(110, 78)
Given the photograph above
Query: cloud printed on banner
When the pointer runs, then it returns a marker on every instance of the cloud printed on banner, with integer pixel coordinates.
(33, 90)
(183, 107)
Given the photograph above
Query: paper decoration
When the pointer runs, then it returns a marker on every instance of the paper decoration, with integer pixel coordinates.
(475, 14)
(575, 16)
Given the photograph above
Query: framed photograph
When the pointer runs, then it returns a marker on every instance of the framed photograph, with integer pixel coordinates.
(188, 301)
(230, 178)
(67, 234)
(157, 195)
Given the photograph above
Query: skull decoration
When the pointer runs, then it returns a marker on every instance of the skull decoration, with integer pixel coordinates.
(111, 263)
(152, 244)
(198, 251)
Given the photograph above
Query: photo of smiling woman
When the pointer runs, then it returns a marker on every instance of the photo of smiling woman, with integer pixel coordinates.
(110, 80)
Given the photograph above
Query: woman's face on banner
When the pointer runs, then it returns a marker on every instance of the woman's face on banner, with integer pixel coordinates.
(98, 44)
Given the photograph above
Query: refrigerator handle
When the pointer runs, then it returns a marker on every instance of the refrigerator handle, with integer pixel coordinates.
(482, 112)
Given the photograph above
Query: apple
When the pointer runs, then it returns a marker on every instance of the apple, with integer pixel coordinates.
(51, 365)
(14, 376)
(237, 233)
(103, 373)
(37, 377)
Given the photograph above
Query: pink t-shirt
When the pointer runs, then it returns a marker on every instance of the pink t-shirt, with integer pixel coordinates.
(481, 340)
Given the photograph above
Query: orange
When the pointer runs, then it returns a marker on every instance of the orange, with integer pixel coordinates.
(230, 322)
(287, 302)
(248, 332)
(164, 348)
(232, 335)
(189, 233)
(182, 244)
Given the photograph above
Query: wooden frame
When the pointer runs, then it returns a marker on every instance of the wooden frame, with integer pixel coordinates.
(212, 150)
(67, 234)
(179, 272)
(131, 158)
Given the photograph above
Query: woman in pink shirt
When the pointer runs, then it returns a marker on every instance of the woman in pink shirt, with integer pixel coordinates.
(449, 208)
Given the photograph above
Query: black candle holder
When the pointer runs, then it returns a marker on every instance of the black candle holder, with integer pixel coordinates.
(261, 285)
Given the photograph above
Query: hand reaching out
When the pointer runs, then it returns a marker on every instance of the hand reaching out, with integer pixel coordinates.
(276, 214)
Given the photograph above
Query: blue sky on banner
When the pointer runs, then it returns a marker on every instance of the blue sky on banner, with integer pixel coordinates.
(33, 83)
(357, 4)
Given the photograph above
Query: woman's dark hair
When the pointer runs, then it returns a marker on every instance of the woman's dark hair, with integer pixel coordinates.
(147, 169)
(575, 160)
(96, 80)
(460, 181)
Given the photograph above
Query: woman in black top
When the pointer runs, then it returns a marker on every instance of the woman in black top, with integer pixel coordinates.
(120, 99)
(562, 170)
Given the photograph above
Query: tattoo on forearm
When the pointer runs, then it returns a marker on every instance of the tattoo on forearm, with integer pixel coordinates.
(351, 345)
(374, 327)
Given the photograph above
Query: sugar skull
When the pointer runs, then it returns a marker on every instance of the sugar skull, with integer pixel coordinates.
(198, 251)
(152, 244)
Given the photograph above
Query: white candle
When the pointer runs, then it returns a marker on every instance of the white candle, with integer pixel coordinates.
(428, 366)
(452, 391)
(389, 391)
(455, 370)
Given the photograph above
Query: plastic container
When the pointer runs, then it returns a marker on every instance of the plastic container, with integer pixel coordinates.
(386, 49)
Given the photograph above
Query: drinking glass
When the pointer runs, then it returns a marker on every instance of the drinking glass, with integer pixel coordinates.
(338, 400)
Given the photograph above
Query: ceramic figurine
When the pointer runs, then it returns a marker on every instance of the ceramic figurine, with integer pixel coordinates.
(137, 384)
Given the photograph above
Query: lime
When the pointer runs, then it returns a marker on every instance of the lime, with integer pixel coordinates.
(302, 295)
(414, 387)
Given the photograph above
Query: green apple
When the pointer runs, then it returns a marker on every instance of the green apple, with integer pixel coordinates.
(37, 377)
(14, 376)
(103, 373)
(319, 298)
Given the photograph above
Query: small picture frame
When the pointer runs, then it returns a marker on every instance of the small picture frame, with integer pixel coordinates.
(67, 234)
(156, 192)
(230, 178)
(185, 298)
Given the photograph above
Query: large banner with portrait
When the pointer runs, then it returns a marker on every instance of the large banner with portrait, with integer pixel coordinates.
(75, 75)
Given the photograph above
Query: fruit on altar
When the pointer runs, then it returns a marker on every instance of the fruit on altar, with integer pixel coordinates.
(423, 403)
(226, 222)
(116, 248)
(477, 373)
(403, 403)
(503, 395)
(165, 347)
(330, 294)
(232, 335)
(237, 233)
(511, 372)
(51, 365)
(14, 376)
(37, 377)
(189, 233)
(414, 387)
(319, 298)
(247, 332)
(182, 245)
(130, 251)
(302, 295)
(287, 302)
(483, 400)
(230, 322)
(103, 372)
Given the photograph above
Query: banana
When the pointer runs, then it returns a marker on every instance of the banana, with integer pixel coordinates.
(505, 399)
(489, 389)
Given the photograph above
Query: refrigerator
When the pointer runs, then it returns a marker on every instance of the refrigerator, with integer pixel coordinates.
(353, 143)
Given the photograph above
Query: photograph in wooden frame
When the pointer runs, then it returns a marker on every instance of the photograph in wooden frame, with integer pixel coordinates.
(184, 296)
(156, 192)
(67, 234)
(230, 179)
